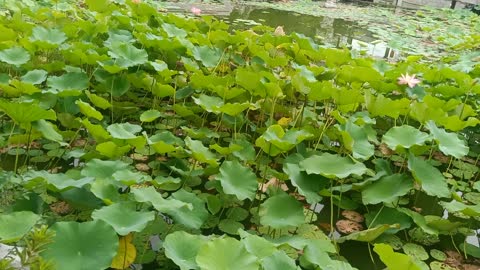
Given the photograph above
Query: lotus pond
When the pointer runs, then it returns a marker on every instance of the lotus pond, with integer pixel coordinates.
(135, 138)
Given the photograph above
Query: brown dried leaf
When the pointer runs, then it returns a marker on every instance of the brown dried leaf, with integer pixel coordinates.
(347, 226)
(353, 216)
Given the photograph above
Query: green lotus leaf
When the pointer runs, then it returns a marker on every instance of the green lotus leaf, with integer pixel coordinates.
(173, 31)
(230, 226)
(315, 252)
(129, 177)
(4, 78)
(209, 57)
(193, 217)
(127, 55)
(184, 207)
(69, 81)
(456, 206)
(332, 166)
(391, 216)
(308, 185)
(103, 168)
(124, 130)
(449, 143)
(36, 76)
(97, 131)
(209, 103)
(158, 202)
(419, 220)
(238, 180)
(225, 253)
(123, 217)
(415, 251)
(355, 138)
(275, 140)
(150, 115)
(387, 189)
(88, 110)
(98, 5)
(98, 101)
(200, 152)
(59, 181)
(383, 106)
(405, 137)
(431, 179)
(106, 191)
(15, 56)
(15, 225)
(163, 90)
(368, 235)
(182, 248)
(435, 265)
(78, 246)
(112, 150)
(48, 131)
(335, 265)
(438, 254)
(444, 226)
(26, 112)
(7, 34)
(394, 260)
(278, 260)
(49, 36)
(257, 245)
(470, 249)
(281, 211)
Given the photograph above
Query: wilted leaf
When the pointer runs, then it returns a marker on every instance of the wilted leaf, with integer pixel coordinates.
(126, 253)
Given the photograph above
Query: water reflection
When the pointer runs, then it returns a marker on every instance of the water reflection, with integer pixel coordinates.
(330, 31)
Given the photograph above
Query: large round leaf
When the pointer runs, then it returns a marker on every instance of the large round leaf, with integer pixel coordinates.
(308, 185)
(15, 225)
(192, 218)
(387, 189)
(36, 76)
(127, 55)
(15, 56)
(387, 215)
(431, 179)
(124, 131)
(26, 112)
(281, 211)
(182, 248)
(225, 253)
(103, 168)
(449, 143)
(394, 260)
(404, 136)
(123, 217)
(82, 246)
(238, 180)
(332, 166)
(50, 35)
(69, 81)
(279, 260)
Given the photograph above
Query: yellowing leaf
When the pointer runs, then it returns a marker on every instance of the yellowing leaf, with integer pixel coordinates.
(284, 121)
(126, 253)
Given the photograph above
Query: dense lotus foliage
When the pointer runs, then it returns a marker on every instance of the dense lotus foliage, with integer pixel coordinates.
(133, 136)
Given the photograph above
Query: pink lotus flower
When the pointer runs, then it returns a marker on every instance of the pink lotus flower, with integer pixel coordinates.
(411, 81)
(136, 1)
(196, 11)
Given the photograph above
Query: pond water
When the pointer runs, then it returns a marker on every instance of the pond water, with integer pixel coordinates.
(328, 31)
